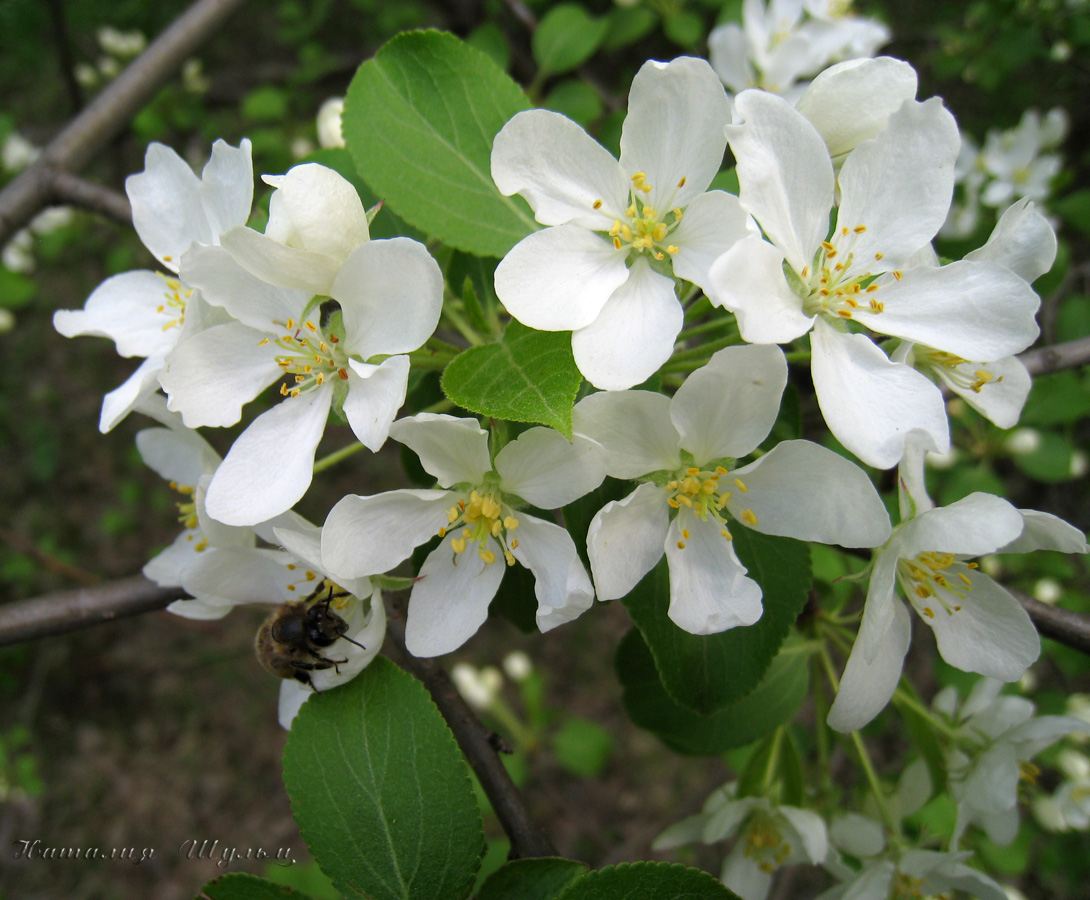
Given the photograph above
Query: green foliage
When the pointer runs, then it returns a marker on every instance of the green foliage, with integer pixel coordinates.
(582, 747)
(238, 886)
(528, 376)
(381, 794)
(419, 120)
(531, 879)
(773, 702)
(644, 880)
(705, 673)
(566, 38)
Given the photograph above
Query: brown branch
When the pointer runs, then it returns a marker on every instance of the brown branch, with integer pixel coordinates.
(110, 112)
(1068, 355)
(477, 743)
(64, 611)
(1069, 628)
(75, 191)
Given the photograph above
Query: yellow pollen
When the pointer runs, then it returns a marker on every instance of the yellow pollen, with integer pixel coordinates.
(509, 556)
(859, 229)
(290, 324)
(972, 565)
(510, 523)
(617, 243)
(673, 503)
(741, 486)
(898, 274)
(515, 544)
(877, 307)
(878, 255)
(681, 545)
(310, 326)
(923, 591)
(488, 556)
(458, 545)
(724, 533)
(442, 532)
(616, 229)
(678, 214)
(597, 204)
(824, 244)
(965, 579)
(749, 517)
(844, 313)
(263, 343)
(927, 611)
(672, 250)
(685, 533)
(681, 183)
(168, 258)
(692, 471)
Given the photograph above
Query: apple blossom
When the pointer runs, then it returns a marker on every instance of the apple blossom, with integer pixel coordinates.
(147, 313)
(895, 192)
(390, 295)
(685, 450)
(769, 836)
(476, 514)
(978, 625)
(619, 233)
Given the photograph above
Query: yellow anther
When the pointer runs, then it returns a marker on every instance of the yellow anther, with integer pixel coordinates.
(878, 255)
(458, 545)
(827, 245)
(922, 591)
(965, 579)
(844, 313)
(805, 273)
(681, 545)
(496, 528)
(510, 523)
(515, 544)
(972, 565)
(630, 213)
(263, 343)
(678, 214)
(617, 243)
(616, 229)
(685, 501)
(877, 307)
(597, 204)
(487, 555)
(681, 183)
(749, 517)
(741, 486)
(672, 250)
(929, 612)
(726, 534)
(290, 324)
(723, 500)
(509, 556)
(898, 274)
(859, 229)
(720, 470)
(685, 533)
(442, 531)
(310, 326)
(673, 503)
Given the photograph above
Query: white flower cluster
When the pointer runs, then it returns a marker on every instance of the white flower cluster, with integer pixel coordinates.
(332, 316)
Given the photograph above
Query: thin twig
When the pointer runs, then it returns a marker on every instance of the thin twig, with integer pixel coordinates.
(477, 743)
(110, 112)
(1069, 628)
(1068, 355)
(25, 545)
(73, 190)
(64, 611)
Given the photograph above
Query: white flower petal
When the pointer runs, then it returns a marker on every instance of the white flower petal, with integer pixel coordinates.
(209, 377)
(976, 524)
(989, 634)
(375, 394)
(1043, 531)
(293, 694)
(625, 540)
(674, 129)
(559, 169)
(899, 184)
(727, 407)
(635, 429)
(851, 102)
(125, 309)
(546, 470)
(975, 310)
(178, 455)
(562, 586)
(633, 334)
(280, 264)
(866, 687)
(805, 491)
(227, 186)
(450, 598)
(785, 174)
(450, 448)
(270, 465)
(167, 566)
(728, 53)
(748, 280)
(1022, 241)
(189, 608)
(369, 535)
(136, 389)
(366, 622)
(1001, 399)
(223, 282)
(810, 828)
(558, 279)
(167, 212)
(391, 293)
(318, 210)
(882, 600)
(235, 575)
(713, 223)
(871, 404)
(709, 589)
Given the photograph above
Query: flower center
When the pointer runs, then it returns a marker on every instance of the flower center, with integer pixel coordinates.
(308, 356)
(187, 516)
(174, 306)
(310, 585)
(706, 493)
(764, 844)
(836, 284)
(933, 578)
(951, 366)
(906, 887)
(480, 517)
(642, 226)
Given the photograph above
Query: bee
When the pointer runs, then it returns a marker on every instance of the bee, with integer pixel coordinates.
(290, 642)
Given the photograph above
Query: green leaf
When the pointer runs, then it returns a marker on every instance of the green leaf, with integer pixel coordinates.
(684, 28)
(531, 879)
(772, 703)
(528, 376)
(582, 747)
(419, 120)
(265, 104)
(648, 881)
(1056, 399)
(705, 673)
(380, 792)
(627, 24)
(774, 770)
(576, 100)
(238, 886)
(16, 290)
(565, 38)
(1051, 462)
